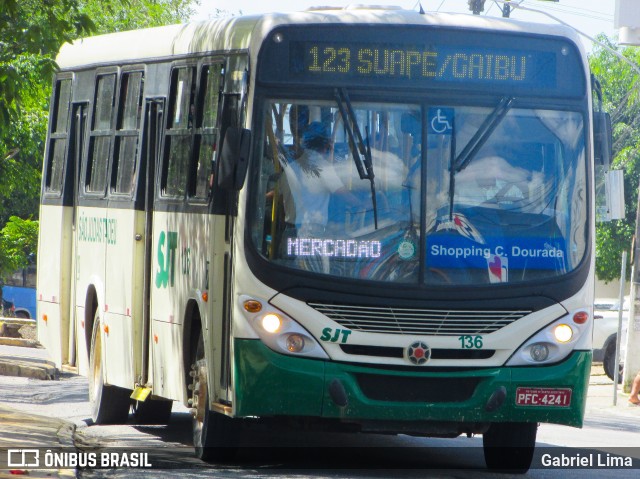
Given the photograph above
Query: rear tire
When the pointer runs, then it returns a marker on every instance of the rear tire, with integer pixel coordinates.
(214, 434)
(608, 362)
(509, 446)
(109, 404)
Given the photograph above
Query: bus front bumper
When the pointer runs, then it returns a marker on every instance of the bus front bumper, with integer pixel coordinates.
(268, 384)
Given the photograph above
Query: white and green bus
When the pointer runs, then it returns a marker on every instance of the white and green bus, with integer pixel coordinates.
(369, 218)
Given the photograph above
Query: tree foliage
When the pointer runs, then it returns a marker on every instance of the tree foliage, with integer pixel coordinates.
(121, 15)
(31, 33)
(18, 241)
(621, 95)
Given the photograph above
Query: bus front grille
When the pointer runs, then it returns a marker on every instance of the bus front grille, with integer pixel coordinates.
(398, 353)
(417, 321)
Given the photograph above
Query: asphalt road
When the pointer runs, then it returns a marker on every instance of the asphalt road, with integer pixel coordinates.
(608, 432)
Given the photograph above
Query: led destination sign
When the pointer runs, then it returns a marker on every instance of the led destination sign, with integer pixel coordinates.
(422, 57)
(424, 64)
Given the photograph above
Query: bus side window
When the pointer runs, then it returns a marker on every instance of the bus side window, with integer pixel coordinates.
(177, 146)
(101, 134)
(127, 132)
(58, 137)
(206, 132)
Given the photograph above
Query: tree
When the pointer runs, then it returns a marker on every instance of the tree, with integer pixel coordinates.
(23, 143)
(621, 95)
(31, 33)
(120, 15)
(18, 243)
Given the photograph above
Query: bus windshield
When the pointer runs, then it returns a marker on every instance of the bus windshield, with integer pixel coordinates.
(416, 193)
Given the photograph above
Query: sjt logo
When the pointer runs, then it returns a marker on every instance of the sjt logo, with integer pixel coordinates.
(167, 245)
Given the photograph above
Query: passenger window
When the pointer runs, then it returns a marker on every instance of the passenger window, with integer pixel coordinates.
(101, 133)
(127, 133)
(206, 133)
(58, 137)
(178, 135)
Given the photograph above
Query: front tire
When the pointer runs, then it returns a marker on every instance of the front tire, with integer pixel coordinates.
(608, 362)
(109, 404)
(509, 446)
(214, 434)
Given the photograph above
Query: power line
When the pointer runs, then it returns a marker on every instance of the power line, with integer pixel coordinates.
(578, 14)
(557, 8)
(577, 11)
(573, 7)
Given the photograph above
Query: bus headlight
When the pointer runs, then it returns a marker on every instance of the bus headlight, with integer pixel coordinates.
(563, 333)
(278, 331)
(554, 342)
(271, 323)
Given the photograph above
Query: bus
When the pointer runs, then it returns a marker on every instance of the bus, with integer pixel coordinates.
(364, 218)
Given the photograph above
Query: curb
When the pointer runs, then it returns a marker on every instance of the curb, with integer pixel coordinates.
(39, 432)
(18, 321)
(28, 369)
(24, 343)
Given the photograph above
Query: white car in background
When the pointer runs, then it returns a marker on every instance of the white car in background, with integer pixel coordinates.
(605, 333)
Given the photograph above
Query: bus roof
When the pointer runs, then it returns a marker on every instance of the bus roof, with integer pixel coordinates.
(241, 33)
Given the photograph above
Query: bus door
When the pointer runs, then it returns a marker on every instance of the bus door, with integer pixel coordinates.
(78, 129)
(54, 246)
(232, 115)
(124, 236)
(152, 131)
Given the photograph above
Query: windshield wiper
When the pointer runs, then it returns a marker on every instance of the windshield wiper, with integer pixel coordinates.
(475, 143)
(360, 149)
(482, 135)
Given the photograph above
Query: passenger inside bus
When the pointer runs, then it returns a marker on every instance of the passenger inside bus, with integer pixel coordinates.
(312, 179)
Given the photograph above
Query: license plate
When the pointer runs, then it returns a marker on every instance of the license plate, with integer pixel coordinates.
(560, 397)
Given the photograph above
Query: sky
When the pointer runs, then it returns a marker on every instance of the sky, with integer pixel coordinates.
(589, 16)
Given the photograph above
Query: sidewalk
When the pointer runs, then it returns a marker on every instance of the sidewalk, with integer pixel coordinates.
(20, 353)
(600, 395)
(19, 430)
(30, 361)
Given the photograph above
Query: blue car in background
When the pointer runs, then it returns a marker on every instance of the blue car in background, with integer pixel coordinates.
(23, 299)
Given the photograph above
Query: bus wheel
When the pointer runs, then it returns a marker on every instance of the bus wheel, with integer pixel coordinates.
(153, 411)
(609, 361)
(109, 404)
(213, 433)
(509, 446)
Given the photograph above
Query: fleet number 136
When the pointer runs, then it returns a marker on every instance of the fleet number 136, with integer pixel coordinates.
(470, 342)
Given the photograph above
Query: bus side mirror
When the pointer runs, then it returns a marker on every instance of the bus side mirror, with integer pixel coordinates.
(602, 138)
(234, 158)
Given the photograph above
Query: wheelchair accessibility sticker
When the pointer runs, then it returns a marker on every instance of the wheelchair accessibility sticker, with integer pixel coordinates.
(440, 121)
